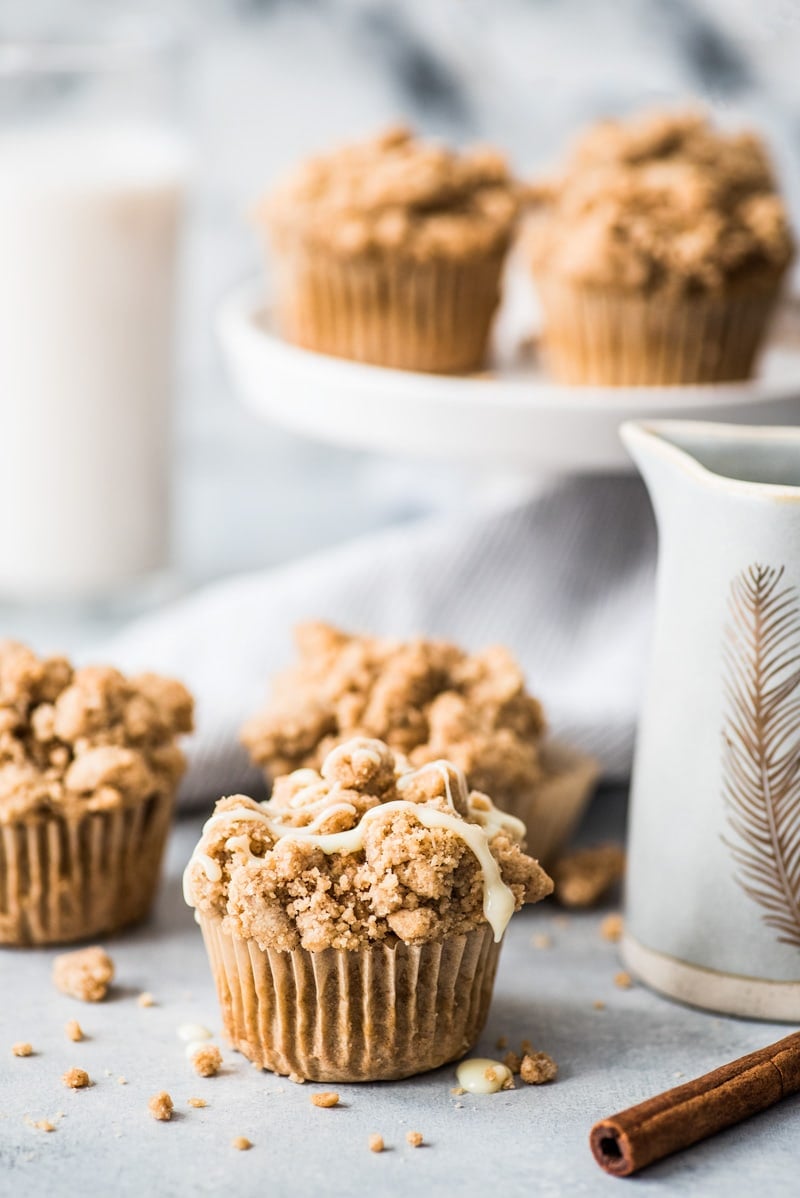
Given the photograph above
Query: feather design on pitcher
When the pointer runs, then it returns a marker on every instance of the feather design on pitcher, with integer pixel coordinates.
(761, 736)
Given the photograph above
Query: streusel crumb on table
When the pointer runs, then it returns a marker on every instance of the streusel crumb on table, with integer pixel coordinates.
(161, 1106)
(85, 973)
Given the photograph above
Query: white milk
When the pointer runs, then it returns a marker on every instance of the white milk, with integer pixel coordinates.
(88, 238)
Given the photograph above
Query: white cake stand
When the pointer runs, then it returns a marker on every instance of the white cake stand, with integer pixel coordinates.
(512, 416)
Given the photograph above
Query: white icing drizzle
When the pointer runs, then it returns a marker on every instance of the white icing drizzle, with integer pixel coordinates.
(480, 1075)
(498, 899)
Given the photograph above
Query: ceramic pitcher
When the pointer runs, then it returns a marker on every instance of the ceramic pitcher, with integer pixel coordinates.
(713, 886)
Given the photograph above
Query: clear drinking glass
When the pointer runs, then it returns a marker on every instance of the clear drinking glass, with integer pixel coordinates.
(92, 171)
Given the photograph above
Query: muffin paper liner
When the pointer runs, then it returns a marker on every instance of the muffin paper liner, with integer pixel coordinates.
(378, 1013)
(551, 812)
(68, 878)
(432, 315)
(595, 336)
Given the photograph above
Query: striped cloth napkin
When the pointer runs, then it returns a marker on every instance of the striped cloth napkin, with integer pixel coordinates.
(564, 579)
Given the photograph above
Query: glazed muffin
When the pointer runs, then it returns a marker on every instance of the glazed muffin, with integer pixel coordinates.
(353, 922)
(88, 773)
(427, 700)
(659, 253)
(390, 251)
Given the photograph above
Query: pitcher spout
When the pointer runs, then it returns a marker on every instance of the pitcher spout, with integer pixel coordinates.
(681, 456)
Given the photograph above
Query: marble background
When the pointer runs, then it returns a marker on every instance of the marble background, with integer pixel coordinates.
(263, 82)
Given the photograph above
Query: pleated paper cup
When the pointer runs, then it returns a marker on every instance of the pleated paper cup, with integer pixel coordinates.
(553, 809)
(376, 1014)
(595, 335)
(433, 315)
(67, 878)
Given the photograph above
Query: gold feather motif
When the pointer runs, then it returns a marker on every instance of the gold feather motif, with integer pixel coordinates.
(761, 744)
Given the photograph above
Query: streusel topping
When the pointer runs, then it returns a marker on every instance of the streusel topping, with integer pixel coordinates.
(663, 201)
(364, 850)
(395, 193)
(426, 699)
(87, 738)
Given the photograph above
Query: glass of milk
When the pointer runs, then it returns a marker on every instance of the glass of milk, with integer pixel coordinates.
(91, 196)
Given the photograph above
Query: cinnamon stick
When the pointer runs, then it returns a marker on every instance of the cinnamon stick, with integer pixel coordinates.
(627, 1142)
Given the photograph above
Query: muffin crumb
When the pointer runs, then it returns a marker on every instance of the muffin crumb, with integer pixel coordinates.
(197, 1103)
(76, 1079)
(583, 877)
(611, 927)
(242, 1144)
(161, 1106)
(501, 1043)
(538, 1068)
(623, 980)
(297, 1078)
(74, 1031)
(146, 999)
(85, 974)
(415, 1139)
(376, 1143)
(325, 1098)
(512, 1062)
(599, 1005)
(122, 1081)
(542, 940)
(22, 1048)
(207, 1060)
(44, 1125)
(457, 1091)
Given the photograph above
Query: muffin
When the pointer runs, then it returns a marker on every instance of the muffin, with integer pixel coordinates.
(427, 700)
(353, 922)
(88, 773)
(659, 253)
(390, 251)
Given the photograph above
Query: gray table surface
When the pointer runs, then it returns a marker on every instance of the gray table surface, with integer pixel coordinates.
(532, 1140)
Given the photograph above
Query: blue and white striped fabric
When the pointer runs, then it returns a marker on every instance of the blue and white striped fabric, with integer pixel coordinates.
(565, 580)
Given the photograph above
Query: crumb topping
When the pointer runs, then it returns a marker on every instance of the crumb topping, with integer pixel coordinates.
(242, 1144)
(86, 739)
(426, 699)
(582, 878)
(663, 201)
(85, 973)
(414, 1138)
(161, 1106)
(197, 1103)
(365, 850)
(396, 194)
(22, 1049)
(623, 980)
(376, 1143)
(74, 1031)
(325, 1099)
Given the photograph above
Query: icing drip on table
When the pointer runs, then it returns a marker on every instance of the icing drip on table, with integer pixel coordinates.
(479, 1075)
